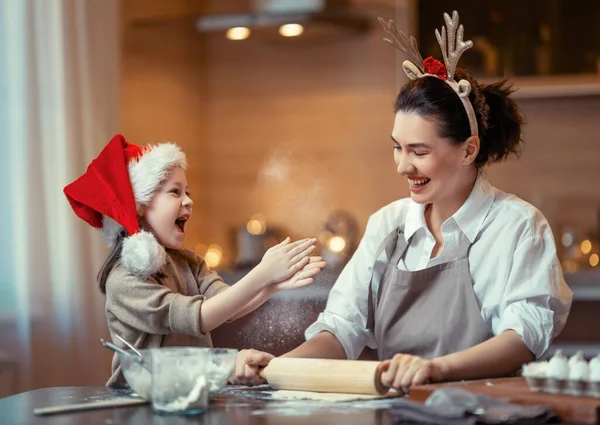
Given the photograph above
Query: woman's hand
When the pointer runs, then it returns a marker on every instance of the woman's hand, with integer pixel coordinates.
(302, 277)
(405, 370)
(247, 365)
(283, 260)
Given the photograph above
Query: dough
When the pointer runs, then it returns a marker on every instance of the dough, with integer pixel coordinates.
(325, 397)
(265, 392)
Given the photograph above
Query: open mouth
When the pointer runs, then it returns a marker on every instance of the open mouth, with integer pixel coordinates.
(181, 222)
(418, 183)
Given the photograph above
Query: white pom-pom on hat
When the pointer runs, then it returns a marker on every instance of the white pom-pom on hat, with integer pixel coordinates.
(142, 255)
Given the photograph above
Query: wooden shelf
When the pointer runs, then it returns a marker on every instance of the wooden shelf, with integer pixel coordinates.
(540, 87)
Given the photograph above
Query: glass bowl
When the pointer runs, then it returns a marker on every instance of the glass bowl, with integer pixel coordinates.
(220, 365)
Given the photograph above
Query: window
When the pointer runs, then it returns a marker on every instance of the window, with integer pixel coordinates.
(8, 63)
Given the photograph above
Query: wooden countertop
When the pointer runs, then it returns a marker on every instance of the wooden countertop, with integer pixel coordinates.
(584, 410)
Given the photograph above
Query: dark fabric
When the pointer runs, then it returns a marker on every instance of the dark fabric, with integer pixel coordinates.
(454, 406)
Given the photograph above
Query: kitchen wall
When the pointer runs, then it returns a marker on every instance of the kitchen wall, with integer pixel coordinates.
(164, 88)
(558, 170)
(290, 130)
(295, 131)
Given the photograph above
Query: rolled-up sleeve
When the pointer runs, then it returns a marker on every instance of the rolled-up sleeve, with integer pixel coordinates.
(537, 300)
(345, 325)
(151, 307)
(346, 312)
(209, 281)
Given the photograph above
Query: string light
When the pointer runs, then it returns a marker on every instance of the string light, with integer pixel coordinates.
(337, 244)
(213, 255)
(237, 33)
(567, 239)
(291, 30)
(257, 225)
(586, 246)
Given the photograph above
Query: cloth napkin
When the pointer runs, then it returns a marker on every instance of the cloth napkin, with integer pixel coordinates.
(455, 406)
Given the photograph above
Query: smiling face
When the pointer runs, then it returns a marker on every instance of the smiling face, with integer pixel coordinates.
(435, 168)
(169, 210)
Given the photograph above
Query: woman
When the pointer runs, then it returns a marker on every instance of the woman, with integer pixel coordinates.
(461, 280)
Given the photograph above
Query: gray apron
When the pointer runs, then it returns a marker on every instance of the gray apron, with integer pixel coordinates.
(428, 313)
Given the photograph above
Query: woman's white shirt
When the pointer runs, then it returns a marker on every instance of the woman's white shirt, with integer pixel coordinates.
(517, 279)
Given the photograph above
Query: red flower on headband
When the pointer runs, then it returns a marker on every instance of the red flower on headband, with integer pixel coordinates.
(435, 67)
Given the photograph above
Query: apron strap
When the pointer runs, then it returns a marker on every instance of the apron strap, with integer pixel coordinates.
(396, 237)
(397, 250)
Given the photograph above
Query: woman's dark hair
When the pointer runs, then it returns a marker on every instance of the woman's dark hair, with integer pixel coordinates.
(111, 261)
(499, 119)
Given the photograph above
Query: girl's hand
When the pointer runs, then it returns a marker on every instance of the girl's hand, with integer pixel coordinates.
(283, 260)
(405, 370)
(302, 277)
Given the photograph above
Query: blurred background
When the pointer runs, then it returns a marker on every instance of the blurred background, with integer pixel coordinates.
(284, 109)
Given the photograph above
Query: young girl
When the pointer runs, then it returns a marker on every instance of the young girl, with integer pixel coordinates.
(460, 280)
(158, 294)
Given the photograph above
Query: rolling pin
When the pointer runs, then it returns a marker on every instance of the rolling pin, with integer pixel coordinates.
(324, 375)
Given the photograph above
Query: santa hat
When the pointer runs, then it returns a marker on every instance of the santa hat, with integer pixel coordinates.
(114, 188)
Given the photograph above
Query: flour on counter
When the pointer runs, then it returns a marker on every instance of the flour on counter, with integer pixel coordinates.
(310, 407)
(314, 396)
(265, 392)
(302, 403)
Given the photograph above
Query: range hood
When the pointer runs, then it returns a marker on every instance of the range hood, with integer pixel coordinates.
(320, 18)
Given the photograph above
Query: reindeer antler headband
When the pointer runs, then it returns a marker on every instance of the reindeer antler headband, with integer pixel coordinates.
(453, 47)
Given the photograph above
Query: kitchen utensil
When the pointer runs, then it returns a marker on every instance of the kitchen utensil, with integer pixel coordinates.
(115, 402)
(135, 350)
(324, 375)
(136, 357)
